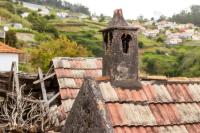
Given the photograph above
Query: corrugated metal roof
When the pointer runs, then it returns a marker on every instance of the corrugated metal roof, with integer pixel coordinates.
(160, 108)
(7, 49)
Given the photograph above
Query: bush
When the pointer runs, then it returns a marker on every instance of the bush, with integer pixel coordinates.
(40, 24)
(43, 54)
(11, 38)
(140, 44)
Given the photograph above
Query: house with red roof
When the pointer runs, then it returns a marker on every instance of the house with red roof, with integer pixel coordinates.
(7, 56)
(122, 102)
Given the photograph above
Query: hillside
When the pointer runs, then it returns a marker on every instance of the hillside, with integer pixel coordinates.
(63, 32)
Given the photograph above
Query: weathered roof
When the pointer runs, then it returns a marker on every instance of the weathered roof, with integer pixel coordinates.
(161, 105)
(156, 107)
(70, 74)
(7, 49)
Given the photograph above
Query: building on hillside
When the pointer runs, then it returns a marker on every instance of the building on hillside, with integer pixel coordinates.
(138, 25)
(173, 41)
(166, 24)
(62, 14)
(2, 33)
(44, 12)
(15, 25)
(24, 14)
(173, 35)
(95, 18)
(7, 56)
(196, 37)
(120, 102)
(83, 16)
(185, 35)
(151, 33)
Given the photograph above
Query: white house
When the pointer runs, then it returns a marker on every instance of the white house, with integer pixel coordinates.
(165, 24)
(173, 41)
(25, 14)
(7, 56)
(196, 37)
(151, 33)
(15, 25)
(62, 14)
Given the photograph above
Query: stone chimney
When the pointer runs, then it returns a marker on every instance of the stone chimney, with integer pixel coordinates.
(120, 61)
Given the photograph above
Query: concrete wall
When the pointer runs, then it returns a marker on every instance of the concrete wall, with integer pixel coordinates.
(6, 60)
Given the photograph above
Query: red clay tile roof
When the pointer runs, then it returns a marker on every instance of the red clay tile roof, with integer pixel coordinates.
(152, 108)
(70, 73)
(7, 49)
(170, 106)
(158, 107)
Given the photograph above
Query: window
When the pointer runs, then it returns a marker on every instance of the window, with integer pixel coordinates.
(126, 38)
(108, 36)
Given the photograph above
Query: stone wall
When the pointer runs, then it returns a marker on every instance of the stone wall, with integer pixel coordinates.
(85, 116)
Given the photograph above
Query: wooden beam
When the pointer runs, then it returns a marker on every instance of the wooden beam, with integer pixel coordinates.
(44, 93)
(16, 78)
(53, 98)
(3, 81)
(43, 79)
(10, 77)
(50, 69)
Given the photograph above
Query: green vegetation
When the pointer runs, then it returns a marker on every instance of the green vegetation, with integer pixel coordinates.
(42, 55)
(148, 42)
(172, 61)
(73, 37)
(188, 17)
(62, 5)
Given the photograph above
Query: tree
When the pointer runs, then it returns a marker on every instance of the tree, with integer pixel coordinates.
(190, 62)
(140, 44)
(11, 38)
(41, 24)
(43, 54)
(102, 18)
(185, 16)
(141, 19)
(162, 17)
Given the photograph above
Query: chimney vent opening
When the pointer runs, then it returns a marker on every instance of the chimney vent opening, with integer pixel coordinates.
(110, 38)
(125, 42)
(105, 38)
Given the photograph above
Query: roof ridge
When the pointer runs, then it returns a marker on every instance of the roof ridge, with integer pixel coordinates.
(160, 125)
(8, 49)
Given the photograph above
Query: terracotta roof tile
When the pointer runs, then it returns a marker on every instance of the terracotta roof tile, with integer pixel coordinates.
(7, 49)
(171, 106)
(187, 128)
(167, 107)
(70, 73)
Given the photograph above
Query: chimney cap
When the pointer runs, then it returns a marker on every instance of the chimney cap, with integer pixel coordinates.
(118, 22)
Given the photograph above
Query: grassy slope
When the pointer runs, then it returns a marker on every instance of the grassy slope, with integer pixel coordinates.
(85, 32)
